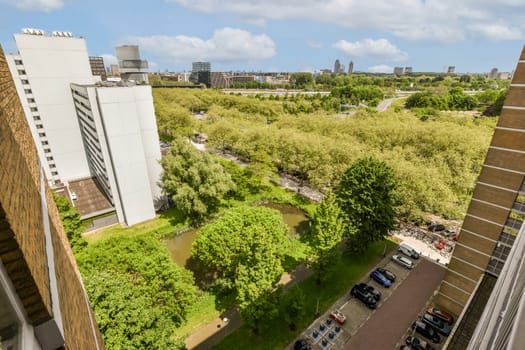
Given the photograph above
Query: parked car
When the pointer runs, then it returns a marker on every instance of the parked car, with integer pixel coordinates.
(388, 274)
(302, 344)
(440, 326)
(381, 279)
(442, 315)
(408, 251)
(426, 331)
(73, 196)
(364, 295)
(436, 228)
(401, 260)
(338, 316)
(417, 344)
(375, 293)
(450, 232)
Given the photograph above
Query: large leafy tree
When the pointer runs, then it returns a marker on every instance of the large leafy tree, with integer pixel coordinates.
(244, 248)
(325, 235)
(193, 179)
(366, 195)
(139, 296)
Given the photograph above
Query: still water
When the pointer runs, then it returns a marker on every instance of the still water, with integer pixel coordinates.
(180, 245)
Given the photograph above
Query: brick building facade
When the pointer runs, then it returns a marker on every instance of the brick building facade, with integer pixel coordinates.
(40, 279)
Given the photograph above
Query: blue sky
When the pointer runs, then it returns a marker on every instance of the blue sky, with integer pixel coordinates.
(287, 35)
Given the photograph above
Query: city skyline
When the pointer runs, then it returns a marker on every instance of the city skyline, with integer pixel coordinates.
(474, 36)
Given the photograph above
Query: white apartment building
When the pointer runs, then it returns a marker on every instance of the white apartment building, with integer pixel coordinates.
(42, 70)
(118, 128)
(86, 131)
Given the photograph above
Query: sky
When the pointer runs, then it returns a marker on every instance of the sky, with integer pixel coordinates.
(287, 35)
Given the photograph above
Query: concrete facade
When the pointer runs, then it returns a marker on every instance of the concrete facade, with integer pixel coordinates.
(43, 69)
(120, 136)
(41, 288)
(131, 66)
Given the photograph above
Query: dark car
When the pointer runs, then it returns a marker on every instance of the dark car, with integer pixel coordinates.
(388, 274)
(375, 293)
(440, 326)
(417, 344)
(364, 295)
(436, 228)
(381, 279)
(302, 344)
(426, 331)
(442, 315)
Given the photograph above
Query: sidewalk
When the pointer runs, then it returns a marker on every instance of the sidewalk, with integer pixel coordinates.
(211, 334)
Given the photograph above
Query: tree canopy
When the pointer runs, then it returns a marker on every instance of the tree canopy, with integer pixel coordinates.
(245, 248)
(325, 235)
(195, 181)
(139, 296)
(366, 195)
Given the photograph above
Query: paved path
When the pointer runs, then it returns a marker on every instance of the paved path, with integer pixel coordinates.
(391, 321)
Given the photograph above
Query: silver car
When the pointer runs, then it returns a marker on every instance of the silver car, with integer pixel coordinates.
(405, 262)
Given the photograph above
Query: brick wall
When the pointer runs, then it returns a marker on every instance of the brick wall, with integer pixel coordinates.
(22, 245)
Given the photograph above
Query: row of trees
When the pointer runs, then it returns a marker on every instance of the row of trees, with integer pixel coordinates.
(435, 161)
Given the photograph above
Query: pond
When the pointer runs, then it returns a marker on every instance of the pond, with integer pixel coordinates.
(180, 245)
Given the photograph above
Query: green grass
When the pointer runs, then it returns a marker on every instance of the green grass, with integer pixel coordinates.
(276, 335)
(202, 312)
(169, 221)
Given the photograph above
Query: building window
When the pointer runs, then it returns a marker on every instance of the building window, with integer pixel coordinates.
(18, 62)
(25, 81)
(28, 91)
(21, 72)
(54, 173)
(42, 134)
(39, 126)
(31, 100)
(52, 166)
(34, 109)
(36, 117)
(47, 150)
(49, 158)
(45, 143)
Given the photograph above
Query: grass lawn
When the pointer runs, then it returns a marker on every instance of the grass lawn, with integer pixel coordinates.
(347, 271)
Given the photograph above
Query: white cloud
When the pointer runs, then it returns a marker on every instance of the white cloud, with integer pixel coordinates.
(380, 49)
(109, 59)
(497, 31)
(381, 68)
(441, 20)
(38, 5)
(226, 45)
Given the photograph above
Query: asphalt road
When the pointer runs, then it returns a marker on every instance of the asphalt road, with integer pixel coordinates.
(390, 322)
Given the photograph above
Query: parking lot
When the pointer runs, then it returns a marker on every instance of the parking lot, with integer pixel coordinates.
(385, 326)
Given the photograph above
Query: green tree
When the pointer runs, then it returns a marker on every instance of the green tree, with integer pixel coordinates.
(325, 235)
(139, 296)
(70, 218)
(301, 79)
(293, 305)
(366, 195)
(193, 179)
(244, 248)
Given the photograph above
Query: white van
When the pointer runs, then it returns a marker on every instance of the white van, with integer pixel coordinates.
(408, 251)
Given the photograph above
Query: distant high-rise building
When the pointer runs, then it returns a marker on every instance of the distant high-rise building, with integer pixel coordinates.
(97, 67)
(350, 67)
(451, 69)
(398, 70)
(201, 73)
(408, 70)
(493, 73)
(114, 70)
(131, 66)
(339, 68)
